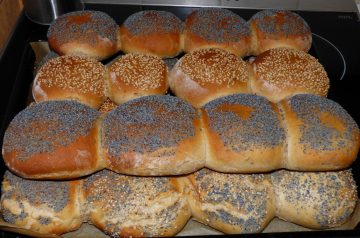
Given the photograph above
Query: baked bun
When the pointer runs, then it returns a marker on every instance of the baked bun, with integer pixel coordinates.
(217, 28)
(71, 77)
(282, 72)
(46, 207)
(107, 106)
(243, 134)
(231, 203)
(136, 75)
(90, 33)
(321, 135)
(153, 135)
(278, 28)
(58, 137)
(152, 32)
(128, 206)
(314, 200)
(206, 74)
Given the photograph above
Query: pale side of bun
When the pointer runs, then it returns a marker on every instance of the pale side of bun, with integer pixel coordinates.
(217, 28)
(243, 134)
(283, 72)
(46, 207)
(59, 137)
(129, 206)
(71, 77)
(321, 135)
(136, 75)
(153, 135)
(152, 32)
(316, 200)
(207, 74)
(277, 28)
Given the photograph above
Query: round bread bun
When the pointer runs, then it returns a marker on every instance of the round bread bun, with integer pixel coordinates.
(136, 75)
(153, 135)
(243, 134)
(152, 32)
(90, 33)
(282, 72)
(231, 203)
(316, 200)
(53, 140)
(46, 207)
(71, 77)
(206, 74)
(217, 28)
(321, 135)
(129, 206)
(278, 28)
(107, 106)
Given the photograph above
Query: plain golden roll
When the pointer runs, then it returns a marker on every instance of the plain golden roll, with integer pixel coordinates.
(230, 203)
(90, 33)
(136, 75)
(217, 28)
(129, 206)
(152, 32)
(153, 135)
(282, 72)
(316, 200)
(46, 207)
(206, 74)
(321, 135)
(277, 28)
(243, 134)
(53, 140)
(71, 77)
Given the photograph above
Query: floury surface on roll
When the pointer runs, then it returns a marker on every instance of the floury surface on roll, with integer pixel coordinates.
(216, 28)
(90, 33)
(153, 135)
(53, 139)
(46, 207)
(129, 206)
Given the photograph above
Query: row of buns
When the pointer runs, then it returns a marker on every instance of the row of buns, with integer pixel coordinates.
(164, 135)
(163, 34)
(129, 206)
(198, 77)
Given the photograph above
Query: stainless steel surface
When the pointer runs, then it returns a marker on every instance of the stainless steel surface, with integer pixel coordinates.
(45, 11)
(308, 5)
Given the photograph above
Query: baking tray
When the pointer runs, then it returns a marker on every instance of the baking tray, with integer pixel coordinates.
(342, 28)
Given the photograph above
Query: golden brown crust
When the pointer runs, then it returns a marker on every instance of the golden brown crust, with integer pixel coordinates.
(207, 74)
(282, 72)
(136, 75)
(71, 77)
(276, 28)
(152, 32)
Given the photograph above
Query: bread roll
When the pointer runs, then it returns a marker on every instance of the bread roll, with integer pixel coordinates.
(321, 135)
(207, 74)
(314, 200)
(278, 28)
(136, 75)
(217, 28)
(152, 32)
(71, 77)
(153, 135)
(127, 206)
(282, 72)
(231, 203)
(243, 134)
(46, 207)
(90, 33)
(53, 140)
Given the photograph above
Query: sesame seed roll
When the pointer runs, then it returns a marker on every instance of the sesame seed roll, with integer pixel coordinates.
(282, 72)
(71, 77)
(206, 74)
